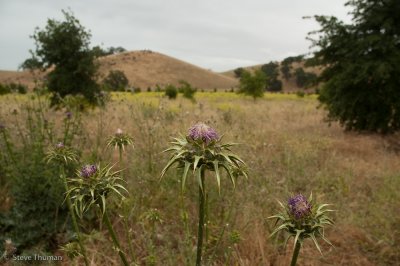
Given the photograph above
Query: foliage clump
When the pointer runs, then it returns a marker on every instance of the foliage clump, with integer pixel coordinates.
(361, 66)
(253, 84)
(116, 80)
(62, 48)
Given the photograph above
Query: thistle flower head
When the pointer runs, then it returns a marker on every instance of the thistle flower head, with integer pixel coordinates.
(190, 153)
(299, 207)
(203, 132)
(88, 170)
(61, 154)
(86, 192)
(120, 140)
(2, 126)
(302, 219)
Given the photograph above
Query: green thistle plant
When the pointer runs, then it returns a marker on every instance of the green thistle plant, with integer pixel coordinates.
(64, 156)
(201, 150)
(92, 186)
(302, 219)
(61, 154)
(119, 140)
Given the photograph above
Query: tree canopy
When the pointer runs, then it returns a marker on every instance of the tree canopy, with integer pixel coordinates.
(361, 85)
(62, 47)
(253, 85)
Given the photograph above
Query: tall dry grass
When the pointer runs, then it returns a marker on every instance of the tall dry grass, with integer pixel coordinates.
(288, 149)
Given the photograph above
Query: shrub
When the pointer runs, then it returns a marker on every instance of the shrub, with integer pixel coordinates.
(171, 92)
(187, 90)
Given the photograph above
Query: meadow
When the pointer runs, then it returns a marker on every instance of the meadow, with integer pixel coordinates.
(288, 149)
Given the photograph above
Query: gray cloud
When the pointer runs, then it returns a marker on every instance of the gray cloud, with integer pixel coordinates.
(213, 34)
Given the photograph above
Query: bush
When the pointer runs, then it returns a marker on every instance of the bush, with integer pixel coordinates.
(13, 88)
(4, 89)
(171, 92)
(187, 90)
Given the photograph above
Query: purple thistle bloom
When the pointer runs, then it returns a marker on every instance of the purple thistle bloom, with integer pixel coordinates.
(203, 132)
(299, 206)
(2, 126)
(60, 145)
(88, 170)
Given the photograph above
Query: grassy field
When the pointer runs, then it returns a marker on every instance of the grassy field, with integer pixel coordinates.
(288, 149)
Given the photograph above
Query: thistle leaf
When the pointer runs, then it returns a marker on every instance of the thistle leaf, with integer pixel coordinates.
(196, 161)
(296, 238)
(185, 172)
(316, 243)
(199, 179)
(217, 176)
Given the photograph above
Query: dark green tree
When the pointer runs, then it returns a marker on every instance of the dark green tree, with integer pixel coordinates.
(285, 69)
(361, 66)
(303, 78)
(238, 72)
(62, 47)
(253, 85)
(116, 81)
(270, 70)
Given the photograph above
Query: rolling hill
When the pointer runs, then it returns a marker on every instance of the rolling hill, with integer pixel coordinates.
(143, 69)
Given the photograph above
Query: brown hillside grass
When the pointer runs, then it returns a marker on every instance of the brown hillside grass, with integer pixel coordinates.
(144, 69)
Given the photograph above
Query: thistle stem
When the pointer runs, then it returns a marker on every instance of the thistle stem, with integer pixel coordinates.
(295, 254)
(201, 219)
(125, 218)
(114, 238)
(73, 218)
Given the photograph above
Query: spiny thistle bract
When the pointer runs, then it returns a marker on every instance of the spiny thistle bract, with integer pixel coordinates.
(301, 219)
(93, 185)
(202, 149)
(120, 140)
(61, 154)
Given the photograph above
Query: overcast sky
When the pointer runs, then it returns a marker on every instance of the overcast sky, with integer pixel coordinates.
(213, 34)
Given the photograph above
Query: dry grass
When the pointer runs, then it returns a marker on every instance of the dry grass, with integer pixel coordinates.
(288, 149)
